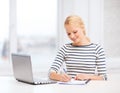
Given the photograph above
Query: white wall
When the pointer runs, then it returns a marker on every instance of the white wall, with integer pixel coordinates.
(112, 32)
(112, 27)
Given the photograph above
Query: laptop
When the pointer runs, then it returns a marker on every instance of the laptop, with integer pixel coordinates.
(22, 69)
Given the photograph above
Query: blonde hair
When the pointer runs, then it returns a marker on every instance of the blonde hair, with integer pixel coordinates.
(76, 20)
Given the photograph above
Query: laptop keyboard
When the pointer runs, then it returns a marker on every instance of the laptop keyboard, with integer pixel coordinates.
(45, 81)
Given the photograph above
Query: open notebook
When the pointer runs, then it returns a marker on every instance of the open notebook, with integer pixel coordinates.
(75, 82)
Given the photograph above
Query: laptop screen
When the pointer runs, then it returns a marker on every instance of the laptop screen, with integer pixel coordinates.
(22, 67)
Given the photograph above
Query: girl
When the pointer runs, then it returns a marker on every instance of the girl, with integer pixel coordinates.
(83, 59)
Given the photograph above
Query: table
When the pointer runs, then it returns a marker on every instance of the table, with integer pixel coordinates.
(10, 85)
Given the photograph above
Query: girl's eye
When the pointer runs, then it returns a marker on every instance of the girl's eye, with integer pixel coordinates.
(75, 32)
(68, 33)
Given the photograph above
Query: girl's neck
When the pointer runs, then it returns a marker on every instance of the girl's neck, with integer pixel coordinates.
(82, 42)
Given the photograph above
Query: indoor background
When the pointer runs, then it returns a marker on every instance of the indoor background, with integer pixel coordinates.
(36, 27)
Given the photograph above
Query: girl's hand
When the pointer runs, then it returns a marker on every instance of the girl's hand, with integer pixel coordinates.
(64, 77)
(82, 77)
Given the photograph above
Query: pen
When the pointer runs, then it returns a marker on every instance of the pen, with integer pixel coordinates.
(87, 81)
(64, 70)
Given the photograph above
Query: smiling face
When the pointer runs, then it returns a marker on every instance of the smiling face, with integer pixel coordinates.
(75, 33)
(75, 29)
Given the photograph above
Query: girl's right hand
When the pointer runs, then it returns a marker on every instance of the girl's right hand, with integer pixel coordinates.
(64, 77)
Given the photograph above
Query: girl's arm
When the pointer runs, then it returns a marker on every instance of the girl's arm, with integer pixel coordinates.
(88, 76)
(59, 76)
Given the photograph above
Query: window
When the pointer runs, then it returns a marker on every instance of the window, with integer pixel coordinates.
(4, 37)
(36, 31)
(34, 26)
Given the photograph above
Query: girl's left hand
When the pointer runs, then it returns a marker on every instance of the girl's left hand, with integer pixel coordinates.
(82, 76)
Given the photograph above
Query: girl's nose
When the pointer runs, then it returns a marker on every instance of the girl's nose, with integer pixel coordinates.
(72, 36)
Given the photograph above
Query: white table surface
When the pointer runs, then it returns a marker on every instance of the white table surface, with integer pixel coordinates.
(10, 85)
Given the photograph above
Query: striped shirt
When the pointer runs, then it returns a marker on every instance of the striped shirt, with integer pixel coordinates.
(87, 59)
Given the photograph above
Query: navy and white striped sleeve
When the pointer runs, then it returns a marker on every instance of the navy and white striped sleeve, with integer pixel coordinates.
(59, 59)
(101, 61)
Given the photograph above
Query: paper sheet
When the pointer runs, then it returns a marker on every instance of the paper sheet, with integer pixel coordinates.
(75, 82)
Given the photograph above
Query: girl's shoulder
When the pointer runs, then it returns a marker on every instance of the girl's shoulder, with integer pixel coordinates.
(64, 46)
(67, 45)
(97, 44)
